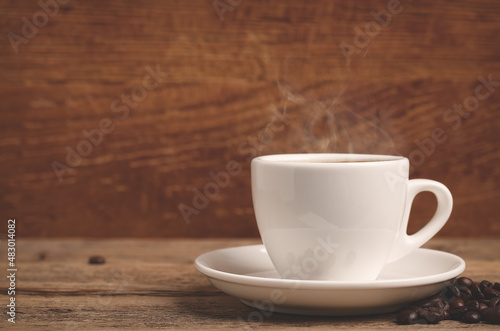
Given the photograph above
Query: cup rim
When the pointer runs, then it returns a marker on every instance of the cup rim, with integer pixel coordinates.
(329, 159)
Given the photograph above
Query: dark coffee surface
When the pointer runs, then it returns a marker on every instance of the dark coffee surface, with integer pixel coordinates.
(334, 161)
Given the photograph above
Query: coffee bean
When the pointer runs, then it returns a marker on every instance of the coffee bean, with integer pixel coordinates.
(463, 300)
(96, 259)
(485, 284)
(494, 302)
(429, 316)
(492, 315)
(465, 294)
(463, 282)
(457, 303)
(473, 305)
(435, 302)
(483, 306)
(465, 297)
(406, 317)
(441, 313)
(442, 305)
(458, 313)
(490, 293)
(429, 302)
(472, 317)
(450, 293)
(446, 314)
(476, 292)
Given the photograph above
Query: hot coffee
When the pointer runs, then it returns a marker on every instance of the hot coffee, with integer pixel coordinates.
(324, 217)
(332, 161)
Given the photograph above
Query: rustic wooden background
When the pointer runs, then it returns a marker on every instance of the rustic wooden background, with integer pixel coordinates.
(227, 70)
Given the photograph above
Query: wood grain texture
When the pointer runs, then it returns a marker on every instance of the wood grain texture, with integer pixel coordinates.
(153, 284)
(223, 81)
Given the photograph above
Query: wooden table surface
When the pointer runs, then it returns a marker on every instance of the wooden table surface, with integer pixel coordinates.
(225, 83)
(153, 284)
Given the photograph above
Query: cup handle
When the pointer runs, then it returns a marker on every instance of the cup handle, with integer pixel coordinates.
(405, 244)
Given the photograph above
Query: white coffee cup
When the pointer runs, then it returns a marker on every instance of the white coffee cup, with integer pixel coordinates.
(339, 217)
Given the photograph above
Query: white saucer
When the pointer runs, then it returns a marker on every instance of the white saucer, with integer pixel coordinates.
(247, 273)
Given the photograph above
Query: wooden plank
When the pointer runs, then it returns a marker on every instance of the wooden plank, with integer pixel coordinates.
(153, 284)
(224, 78)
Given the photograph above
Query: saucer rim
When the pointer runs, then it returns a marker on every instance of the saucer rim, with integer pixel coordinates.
(328, 284)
